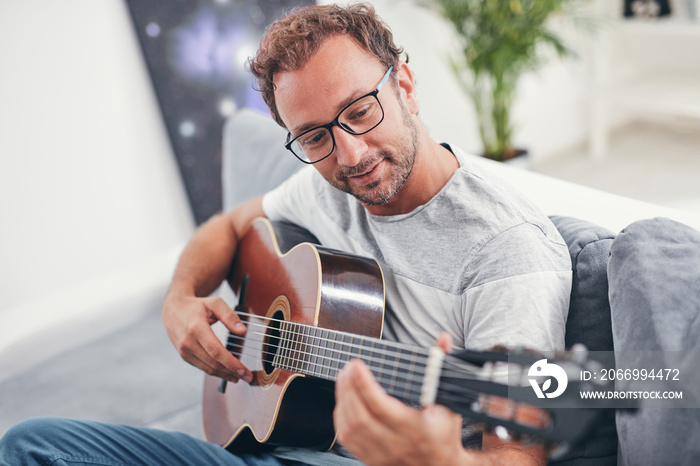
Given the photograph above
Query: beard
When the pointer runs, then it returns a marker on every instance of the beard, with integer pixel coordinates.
(381, 191)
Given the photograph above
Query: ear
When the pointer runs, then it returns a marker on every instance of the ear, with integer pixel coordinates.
(407, 86)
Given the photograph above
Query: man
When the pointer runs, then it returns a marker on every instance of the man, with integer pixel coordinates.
(467, 260)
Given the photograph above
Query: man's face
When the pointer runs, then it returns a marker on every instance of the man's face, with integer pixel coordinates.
(374, 166)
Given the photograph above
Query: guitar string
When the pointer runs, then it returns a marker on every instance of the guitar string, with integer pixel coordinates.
(461, 367)
(401, 359)
(400, 384)
(399, 381)
(387, 344)
(401, 363)
(297, 363)
(338, 346)
(306, 365)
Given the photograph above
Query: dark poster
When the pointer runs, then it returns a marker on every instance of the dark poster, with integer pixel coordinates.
(196, 52)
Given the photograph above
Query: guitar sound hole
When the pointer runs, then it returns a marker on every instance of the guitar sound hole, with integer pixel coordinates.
(272, 342)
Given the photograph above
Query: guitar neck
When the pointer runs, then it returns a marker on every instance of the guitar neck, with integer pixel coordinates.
(322, 353)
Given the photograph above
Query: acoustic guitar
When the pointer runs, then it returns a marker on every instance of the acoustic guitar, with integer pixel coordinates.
(309, 310)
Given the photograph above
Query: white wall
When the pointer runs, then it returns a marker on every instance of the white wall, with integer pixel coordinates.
(92, 206)
(551, 106)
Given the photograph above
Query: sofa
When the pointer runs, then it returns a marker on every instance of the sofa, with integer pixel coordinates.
(255, 161)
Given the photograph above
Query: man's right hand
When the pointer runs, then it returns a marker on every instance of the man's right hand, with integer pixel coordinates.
(188, 321)
(189, 311)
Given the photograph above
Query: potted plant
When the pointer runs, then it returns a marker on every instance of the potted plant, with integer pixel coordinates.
(499, 40)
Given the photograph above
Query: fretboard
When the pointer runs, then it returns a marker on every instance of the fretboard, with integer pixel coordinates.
(322, 353)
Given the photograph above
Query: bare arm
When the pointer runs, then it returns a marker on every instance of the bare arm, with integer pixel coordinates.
(188, 311)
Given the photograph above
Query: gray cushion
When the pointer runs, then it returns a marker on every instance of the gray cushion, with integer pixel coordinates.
(589, 323)
(654, 272)
(589, 312)
(254, 159)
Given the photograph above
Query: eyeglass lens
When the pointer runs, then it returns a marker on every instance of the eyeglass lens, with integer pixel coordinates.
(359, 117)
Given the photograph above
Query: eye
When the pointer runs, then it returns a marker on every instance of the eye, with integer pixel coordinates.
(313, 138)
(359, 112)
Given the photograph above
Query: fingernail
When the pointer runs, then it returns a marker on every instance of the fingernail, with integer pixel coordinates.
(239, 327)
(247, 376)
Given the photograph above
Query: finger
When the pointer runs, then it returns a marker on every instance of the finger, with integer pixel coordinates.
(201, 344)
(214, 369)
(356, 428)
(444, 342)
(376, 401)
(216, 355)
(195, 354)
(222, 312)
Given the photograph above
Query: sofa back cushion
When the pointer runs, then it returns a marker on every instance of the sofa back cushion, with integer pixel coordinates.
(589, 323)
(254, 160)
(589, 312)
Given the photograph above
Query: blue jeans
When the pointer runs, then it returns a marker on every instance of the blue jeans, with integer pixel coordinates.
(62, 442)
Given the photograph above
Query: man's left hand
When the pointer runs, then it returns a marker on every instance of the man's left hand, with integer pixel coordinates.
(381, 430)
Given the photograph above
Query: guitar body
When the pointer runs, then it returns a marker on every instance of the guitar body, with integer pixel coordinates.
(308, 285)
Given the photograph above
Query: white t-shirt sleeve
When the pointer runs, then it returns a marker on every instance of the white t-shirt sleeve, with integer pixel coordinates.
(294, 200)
(523, 298)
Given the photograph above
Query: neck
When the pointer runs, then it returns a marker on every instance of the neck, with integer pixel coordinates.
(433, 168)
(322, 353)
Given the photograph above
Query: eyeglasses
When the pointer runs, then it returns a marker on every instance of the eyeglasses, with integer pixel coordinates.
(359, 117)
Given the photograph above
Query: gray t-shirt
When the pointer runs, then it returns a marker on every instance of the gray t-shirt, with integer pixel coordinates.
(478, 261)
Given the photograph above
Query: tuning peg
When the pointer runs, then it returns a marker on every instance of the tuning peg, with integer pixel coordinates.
(476, 406)
(503, 433)
(579, 353)
(557, 451)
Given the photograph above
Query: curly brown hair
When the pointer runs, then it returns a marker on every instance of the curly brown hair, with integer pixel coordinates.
(291, 41)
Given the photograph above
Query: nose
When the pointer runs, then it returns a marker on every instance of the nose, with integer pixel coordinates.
(348, 147)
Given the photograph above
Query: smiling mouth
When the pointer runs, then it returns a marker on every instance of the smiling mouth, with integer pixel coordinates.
(365, 173)
(367, 176)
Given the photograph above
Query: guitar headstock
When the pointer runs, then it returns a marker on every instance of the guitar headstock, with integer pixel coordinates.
(528, 396)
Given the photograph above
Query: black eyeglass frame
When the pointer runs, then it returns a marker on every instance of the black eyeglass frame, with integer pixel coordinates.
(336, 122)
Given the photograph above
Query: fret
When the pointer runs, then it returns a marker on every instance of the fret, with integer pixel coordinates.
(313, 351)
(276, 358)
(303, 350)
(322, 347)
(372, 360)
(290, 346)
(358, 346)
(320, 352)
(409, 373)
(335, 361)
(364, 353)
(324, 358)
(392, 374)
(345, 350)
(283, 350)
(294, 362)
